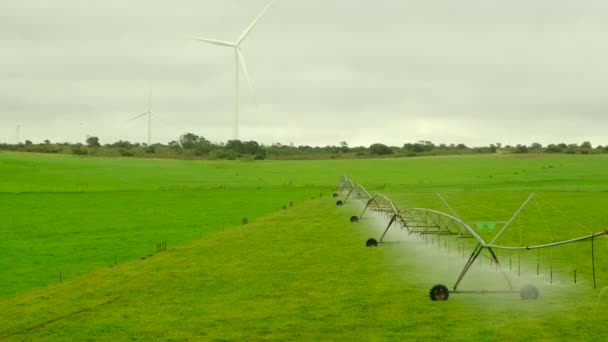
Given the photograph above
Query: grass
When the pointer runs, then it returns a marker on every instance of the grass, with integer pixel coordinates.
(300, 273)
(79, 219)
(73, 233)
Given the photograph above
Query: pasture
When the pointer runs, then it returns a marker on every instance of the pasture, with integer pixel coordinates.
(297, 273)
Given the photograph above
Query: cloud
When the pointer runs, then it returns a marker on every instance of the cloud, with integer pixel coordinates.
(470, 71)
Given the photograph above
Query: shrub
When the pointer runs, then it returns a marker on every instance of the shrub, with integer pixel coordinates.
(125, 153)
(76, 150)
(380, 149)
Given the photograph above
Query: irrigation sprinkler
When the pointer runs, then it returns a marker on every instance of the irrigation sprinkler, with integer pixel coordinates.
(359, 192)
(424, 222)
(345, 184)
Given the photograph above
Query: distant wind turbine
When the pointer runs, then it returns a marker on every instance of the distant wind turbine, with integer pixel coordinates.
(149, 114)
(238, 60)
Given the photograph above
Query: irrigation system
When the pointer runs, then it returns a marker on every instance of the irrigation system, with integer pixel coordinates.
(424, 221)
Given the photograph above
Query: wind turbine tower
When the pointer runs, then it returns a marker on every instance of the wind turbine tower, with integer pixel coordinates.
(149, 114)
(239, 60)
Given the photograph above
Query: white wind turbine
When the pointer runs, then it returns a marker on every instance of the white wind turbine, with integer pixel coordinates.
(149, 114)
(238, 60)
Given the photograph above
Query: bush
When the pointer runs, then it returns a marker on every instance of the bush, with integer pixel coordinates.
(521, 149)
(222, 154)
(125, 153)
(79, 151)
(380, 149)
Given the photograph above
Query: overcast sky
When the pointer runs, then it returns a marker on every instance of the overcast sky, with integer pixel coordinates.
(393, 71)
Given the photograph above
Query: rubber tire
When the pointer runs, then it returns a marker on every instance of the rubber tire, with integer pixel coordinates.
(354, 219)
(371, 242)
(439, 292)
(339, 203)
(529, 292)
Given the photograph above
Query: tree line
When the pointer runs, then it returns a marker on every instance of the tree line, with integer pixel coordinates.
(192, 146)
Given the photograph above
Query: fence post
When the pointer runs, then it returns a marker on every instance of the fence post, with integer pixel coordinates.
(593, 262)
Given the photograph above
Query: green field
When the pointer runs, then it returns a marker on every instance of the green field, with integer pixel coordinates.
(300, 273)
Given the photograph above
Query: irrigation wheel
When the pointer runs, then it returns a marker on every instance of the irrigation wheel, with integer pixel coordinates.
(339, 203)
(528, 292)
(439, 292)
(371, 242)
(354, 218)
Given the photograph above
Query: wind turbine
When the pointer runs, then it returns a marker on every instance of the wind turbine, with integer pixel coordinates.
(149, 114)
(238, 60)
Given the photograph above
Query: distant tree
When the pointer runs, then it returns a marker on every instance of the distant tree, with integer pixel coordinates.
(380, 149)
(521, 148)
(202, 147)
(47, 141)
(536, 146)
(420, 146)
(78, 150)
(572, 148)
(427, 146)
(188, 140)
(552, 148)
(174, 145)
(28, 142)
(344, 146)
(125, 152)
(586, 145)
(235, 145)
(417, 148)
(122, 144)
(260, 154)
(250, 147)
(93, 141)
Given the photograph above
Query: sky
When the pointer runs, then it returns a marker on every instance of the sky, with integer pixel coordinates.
(393, 71)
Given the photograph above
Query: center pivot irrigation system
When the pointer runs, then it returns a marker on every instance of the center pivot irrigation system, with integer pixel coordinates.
(424, 221)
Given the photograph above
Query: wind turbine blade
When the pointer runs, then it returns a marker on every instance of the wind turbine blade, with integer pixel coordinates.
(215, 42)
(139, 116)
(246, 73)
(150, 101)
(248, 29)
